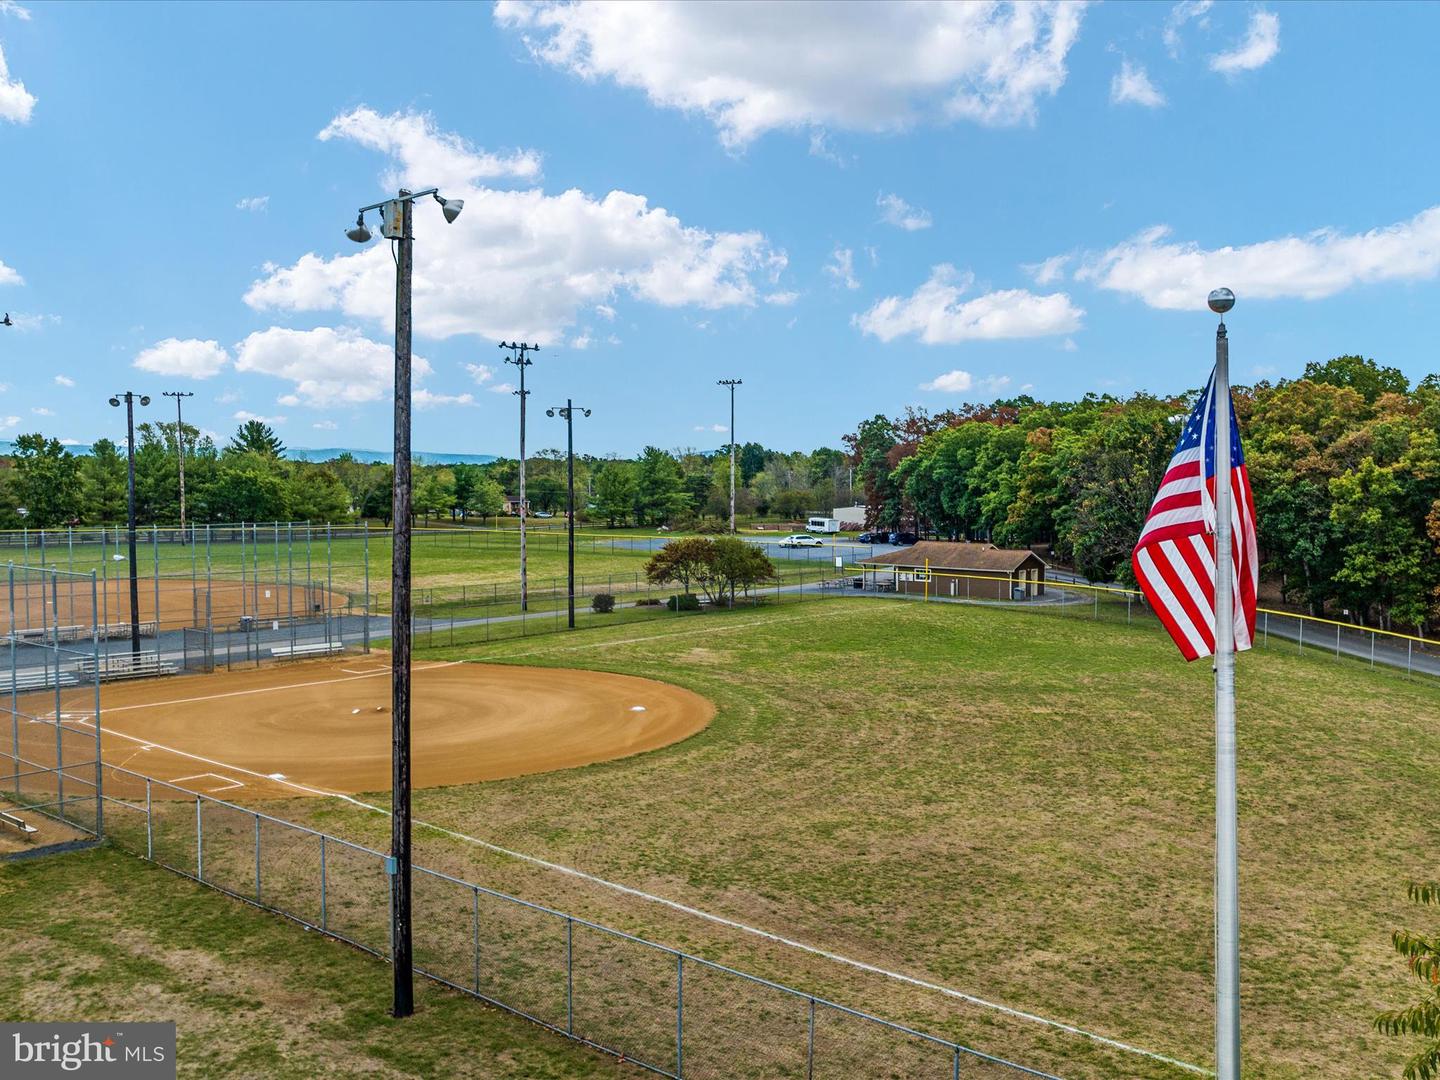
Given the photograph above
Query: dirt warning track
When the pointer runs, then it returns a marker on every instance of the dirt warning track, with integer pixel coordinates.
(324, 726)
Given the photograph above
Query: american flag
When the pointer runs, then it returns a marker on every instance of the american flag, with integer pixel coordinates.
(1174, 559)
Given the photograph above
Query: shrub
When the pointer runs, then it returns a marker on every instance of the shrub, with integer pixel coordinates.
(649, 601)
(602, 603)
(684, 602)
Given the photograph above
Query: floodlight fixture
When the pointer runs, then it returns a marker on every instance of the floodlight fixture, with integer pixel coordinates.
(450, 207)
(359, 232)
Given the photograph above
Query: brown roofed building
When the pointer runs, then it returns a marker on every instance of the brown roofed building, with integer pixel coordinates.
(944, 569)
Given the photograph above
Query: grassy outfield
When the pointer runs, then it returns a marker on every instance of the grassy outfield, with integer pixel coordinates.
(1016, 804)
(253, 996)
(443, 561)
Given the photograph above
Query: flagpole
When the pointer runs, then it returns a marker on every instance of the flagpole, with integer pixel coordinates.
(1227, 891)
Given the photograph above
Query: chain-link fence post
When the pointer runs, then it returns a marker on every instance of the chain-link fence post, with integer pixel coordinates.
(810, 1044)
(324, 913)
(257, 859)
(475, 934)
(679, 1015)
(569, 975)
(149, 823)
(199, 842)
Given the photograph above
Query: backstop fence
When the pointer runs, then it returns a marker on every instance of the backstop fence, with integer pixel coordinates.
(50, 757)
(670, 1012)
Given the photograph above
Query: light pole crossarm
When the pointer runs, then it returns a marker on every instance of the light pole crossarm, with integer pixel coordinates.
(410, 197)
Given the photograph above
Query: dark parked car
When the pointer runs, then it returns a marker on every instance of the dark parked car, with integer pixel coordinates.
(875, 536)
(903, 539)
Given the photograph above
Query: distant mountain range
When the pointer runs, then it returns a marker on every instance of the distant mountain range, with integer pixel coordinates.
(329, 453)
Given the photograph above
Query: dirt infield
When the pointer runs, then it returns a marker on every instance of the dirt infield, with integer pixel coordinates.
(181, 603)
(323, 727)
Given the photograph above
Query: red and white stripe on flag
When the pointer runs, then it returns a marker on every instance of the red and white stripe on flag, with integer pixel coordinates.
(1174, 559)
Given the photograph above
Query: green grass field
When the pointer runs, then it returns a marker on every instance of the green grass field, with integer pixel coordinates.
(1014, 804)
(443, 561)
(254, 996)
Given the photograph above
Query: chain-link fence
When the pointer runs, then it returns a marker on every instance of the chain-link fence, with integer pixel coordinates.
(471, 614)
(1385, 650)
(50, 756)
(668, 1011)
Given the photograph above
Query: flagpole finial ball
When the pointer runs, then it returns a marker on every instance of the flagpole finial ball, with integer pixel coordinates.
(1221, 301)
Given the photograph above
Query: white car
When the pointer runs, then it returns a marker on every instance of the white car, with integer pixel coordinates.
(795, 540)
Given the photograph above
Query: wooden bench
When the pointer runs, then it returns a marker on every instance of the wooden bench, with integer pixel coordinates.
(18, 824)
(319, 648)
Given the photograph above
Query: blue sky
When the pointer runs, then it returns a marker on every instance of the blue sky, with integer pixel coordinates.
(851, 208)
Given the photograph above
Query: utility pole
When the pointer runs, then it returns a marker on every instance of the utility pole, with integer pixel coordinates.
(568, 412)
(396, 224)
(129, 398)
(731, 383)
(520, 360)
(180, 447)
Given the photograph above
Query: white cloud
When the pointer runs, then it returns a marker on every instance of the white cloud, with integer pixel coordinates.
(1262, 42)
(10, 7)
(896, 211)
(1132, 85)
(822, 148)
(1069, 345)
(254, 203)
(64, 380)
(481, 373)
(718, 428)
(782, 299)
(952, 382)
(548, 256)
(1197, 11)
(189, 358)
(229, 397)
(8, 274)
(328, 366)
(424, 399)
(40, 410)
(324, 425)
(995, 383)
(1049, 271)
(419, 148)
(9, 422)
(1178, 276)
(503, 388)
(581, 341)
(605, 311)
(863, 67)
(935, 314)
(841, 267)
(16, 103)
(242, 416)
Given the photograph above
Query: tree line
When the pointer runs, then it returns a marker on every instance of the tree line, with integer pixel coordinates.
(44, 484)
(1343, 462)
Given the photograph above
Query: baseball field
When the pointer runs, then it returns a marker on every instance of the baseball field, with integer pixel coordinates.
(943, 814)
